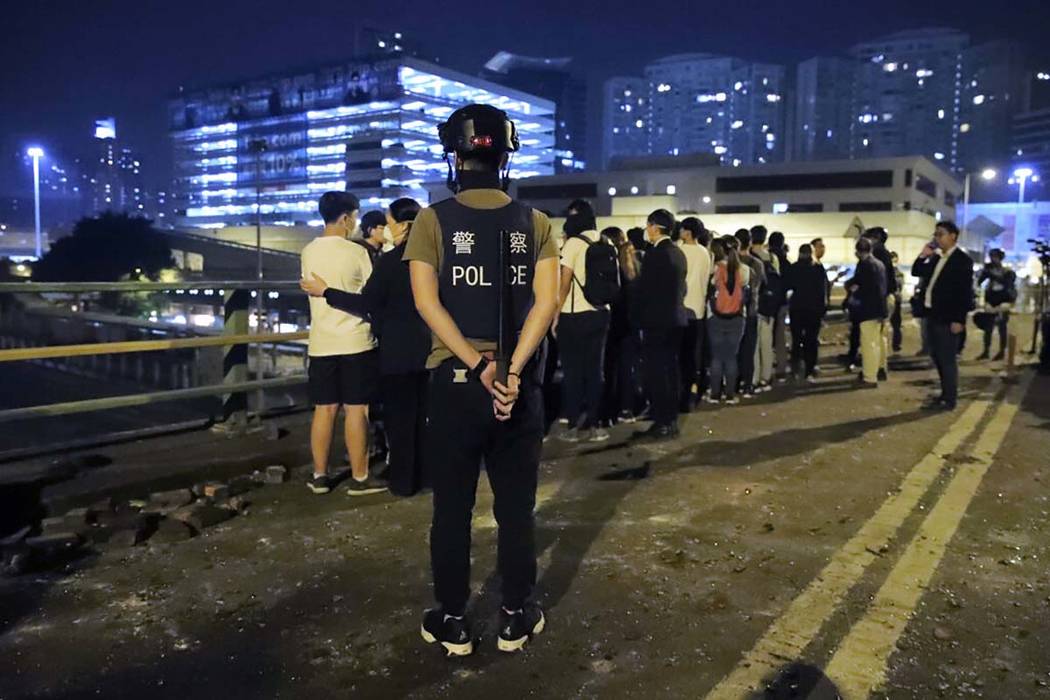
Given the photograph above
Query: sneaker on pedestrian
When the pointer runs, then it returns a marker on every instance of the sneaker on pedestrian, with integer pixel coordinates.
(983, 356)
(569, 435)
(882, 376)
(627, 417)
(810, 379)
(711, 398)
(732, 401)
(370, 485)
(563, 421)
(596, 435)
(747, 392)
(319, 483)
(999, 356)
(517, 627)
(451, 632)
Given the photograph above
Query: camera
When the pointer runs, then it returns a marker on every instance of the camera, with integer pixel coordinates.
(1042, 249)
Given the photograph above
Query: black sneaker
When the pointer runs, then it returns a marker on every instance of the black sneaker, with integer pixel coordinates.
(518, 627)
(453, 633)
(366, 487)
(882, 376)
(319, 483)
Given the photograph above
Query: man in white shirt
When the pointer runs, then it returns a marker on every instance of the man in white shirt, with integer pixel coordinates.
(582, 328)
(692, 240)
(344, 367)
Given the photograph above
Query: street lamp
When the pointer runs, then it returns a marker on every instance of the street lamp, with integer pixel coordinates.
(1022, 176)
(36, 153)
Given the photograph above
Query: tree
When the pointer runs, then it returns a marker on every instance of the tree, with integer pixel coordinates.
(106, 248)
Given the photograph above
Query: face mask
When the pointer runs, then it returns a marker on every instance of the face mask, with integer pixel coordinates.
(388, 236)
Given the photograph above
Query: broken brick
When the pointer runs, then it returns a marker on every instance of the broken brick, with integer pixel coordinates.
(170, 530)
(276, 474)
(202, 515)
(175, 498)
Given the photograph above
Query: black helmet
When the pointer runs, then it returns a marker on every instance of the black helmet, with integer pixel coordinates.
(478, 128)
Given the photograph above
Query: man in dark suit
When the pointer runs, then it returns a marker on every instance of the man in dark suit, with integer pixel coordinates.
(949, 298)
(662, 318)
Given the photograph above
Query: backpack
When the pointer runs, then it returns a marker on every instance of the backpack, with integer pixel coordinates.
(772, 296)
(603, 272)
(726, 304)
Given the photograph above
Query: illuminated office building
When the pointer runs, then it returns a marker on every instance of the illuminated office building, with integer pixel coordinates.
(369, 127)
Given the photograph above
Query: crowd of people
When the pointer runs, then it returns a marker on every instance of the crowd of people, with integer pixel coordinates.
(449, 326)
(696, 317)
(652, 323)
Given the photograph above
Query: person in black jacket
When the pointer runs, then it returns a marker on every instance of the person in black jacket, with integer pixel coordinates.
(878, 238)
(868, 309)
(662, 316)
(999, 298)
(808, 283)
(404, 342)
(948, 299)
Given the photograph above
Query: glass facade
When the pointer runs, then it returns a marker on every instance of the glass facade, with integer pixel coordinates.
(366, 127)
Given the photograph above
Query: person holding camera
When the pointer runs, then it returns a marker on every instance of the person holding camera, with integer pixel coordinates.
(999, 297)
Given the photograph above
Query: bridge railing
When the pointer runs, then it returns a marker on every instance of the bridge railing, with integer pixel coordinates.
(235, 339)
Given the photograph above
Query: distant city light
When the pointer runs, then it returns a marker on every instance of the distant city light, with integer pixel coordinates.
(35, 152)
(989, 173)
(612, 191)
(978, 99)
(634, 190)
(671, 189)
(889, 67)
(1023, 173)
(706, 199)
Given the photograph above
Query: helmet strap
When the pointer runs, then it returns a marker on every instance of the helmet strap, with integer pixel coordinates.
(451, 181)
(504, 179)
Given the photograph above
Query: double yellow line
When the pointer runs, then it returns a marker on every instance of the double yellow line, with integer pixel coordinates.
(858, 666)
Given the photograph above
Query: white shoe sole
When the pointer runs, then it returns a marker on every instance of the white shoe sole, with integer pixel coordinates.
(513, 645)
(450, 649)
(366, 492)
(319, 490)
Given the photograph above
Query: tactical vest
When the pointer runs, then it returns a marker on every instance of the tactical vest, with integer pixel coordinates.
(468, 281)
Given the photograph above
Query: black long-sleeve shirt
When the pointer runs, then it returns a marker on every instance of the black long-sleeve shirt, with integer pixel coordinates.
(808, 283)
(404, 339)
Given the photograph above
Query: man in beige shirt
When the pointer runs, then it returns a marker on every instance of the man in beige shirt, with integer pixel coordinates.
(344, 365)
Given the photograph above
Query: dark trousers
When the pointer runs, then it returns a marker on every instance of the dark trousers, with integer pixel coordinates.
(690, 360)
(746, 356)
(404, 417)
(463, 433)
(853, 353)
(660, 349)
(581, 339)
(805, 334)
(1002, 323)
(896, 319)
(622, 389)
(944, 349)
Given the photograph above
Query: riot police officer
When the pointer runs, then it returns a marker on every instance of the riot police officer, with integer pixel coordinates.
(469, 300)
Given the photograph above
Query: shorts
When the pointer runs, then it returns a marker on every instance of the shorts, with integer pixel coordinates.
(350, 380)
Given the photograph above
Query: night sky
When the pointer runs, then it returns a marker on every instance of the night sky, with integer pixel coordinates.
(65, 63)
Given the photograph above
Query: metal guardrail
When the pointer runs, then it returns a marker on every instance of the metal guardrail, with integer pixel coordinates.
(89, 287)
(144, 399)
(48, 352)
(235, 339)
